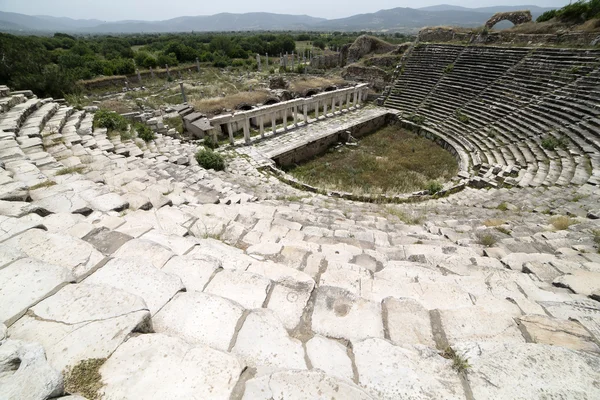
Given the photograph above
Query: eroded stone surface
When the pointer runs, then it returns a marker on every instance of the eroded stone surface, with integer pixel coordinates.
(569, 334)
(156, 366)
(330, 357)
(408, 322)
(542, 371)
(82, 321)
(302, 385)
(249, 290)
(25, 374)
(199, 318)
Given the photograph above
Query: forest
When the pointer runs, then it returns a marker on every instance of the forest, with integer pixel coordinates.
(52, 66)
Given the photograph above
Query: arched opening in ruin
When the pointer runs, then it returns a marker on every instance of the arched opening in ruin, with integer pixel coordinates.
(271, 100)
(310, 92)
(244, 107)
(514, 17)
(330, 89)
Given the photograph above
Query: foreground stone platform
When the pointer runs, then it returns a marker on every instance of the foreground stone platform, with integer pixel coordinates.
(184, 283)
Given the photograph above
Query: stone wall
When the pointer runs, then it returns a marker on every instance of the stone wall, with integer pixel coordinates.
(516, 17)
(365, 44)
(376, 77)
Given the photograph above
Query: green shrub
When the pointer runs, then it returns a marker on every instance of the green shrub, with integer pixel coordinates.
(211, 142)
(208, 159)
(462, 117)
(551, 143)
(434, 186)
(417, 119)
(546, 16)
(448, 68)
(110, 120)
(144, 132)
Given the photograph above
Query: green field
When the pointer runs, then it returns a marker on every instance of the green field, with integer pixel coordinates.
(390, 160)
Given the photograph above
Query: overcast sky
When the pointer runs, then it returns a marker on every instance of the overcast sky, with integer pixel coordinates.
(113, 10)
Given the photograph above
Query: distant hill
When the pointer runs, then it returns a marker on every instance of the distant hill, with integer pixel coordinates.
(395, 19)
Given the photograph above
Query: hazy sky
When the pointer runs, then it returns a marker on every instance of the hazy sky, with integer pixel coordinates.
(113, 10)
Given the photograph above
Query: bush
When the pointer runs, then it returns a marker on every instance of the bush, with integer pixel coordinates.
(462, 117)
(434, 186)
(211, 142)
(551, 143)
(208, 159)
(417, 119)
(546, 16)
(110, 120)
(144, 132)
(448, 68)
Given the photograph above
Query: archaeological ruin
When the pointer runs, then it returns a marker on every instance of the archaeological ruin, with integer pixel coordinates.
(129, 271)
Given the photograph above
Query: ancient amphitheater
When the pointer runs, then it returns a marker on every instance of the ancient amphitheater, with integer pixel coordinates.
(183, 283)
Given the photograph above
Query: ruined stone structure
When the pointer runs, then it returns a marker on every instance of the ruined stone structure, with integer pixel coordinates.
(297, 110)
(516, 17)
(181, 282)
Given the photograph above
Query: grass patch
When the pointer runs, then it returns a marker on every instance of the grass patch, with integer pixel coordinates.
(502, 206)
(71, 170)
(486, 239)
(304, 83)
(144, 132)
(493, 222)
(459, 363)
(42, 185)
(448, 68)
(290, 198)
(390, 160)
(551, 143)
(85, 379)
(175, 123)
(461, 117)
(561, 222)
(408, 218)
(209, 159)
(215, 105)
(596, 238)
(434, 186)
(502, 229)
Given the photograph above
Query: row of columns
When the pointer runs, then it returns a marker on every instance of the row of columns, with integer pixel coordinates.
(352, 100)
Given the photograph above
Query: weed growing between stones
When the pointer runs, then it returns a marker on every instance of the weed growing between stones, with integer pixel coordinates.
(42, 185)
(596, 237)
(175, 123)
(562, 222)
(209, 159)
(486, 239)
(502, 206)
(459, 363)
(551, 143)
(434, 186)
(407, 218)
(502, 229)
(144, 132)
(71, 170)
(462, 117)
(84, 378)
(448, 68)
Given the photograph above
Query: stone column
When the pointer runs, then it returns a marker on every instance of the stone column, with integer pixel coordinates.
(183, 92)
(168, 73)
(305, 110)
(358, 97)
(273, 122)
(258, 63)
(292, 61)
(262, 125)
(139, 76)
(354, 94)
(347, 100)
(151, 72)
(179, 75)
(285, 113)
(317, 110)
(267, 63)
(325, 108)
(295, 116)
(197, 65)
(230, 132)
(247, 130)
(333, 105)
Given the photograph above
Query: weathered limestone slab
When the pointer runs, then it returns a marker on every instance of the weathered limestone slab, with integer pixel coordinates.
(25, 374)
(153, 285)
(80, 257)
(230, 257)
(17, 209)
(14, 191)
(389, 372)
(109, 202)
(302, 385)
(194, 272)
(157, 366)
(557, 332)
(177, 244)
(477, 324)
(66, 202)
(199, 318)
(264, 344)
(10, 227)
(248, 289)
(339, 314)
(530, 371)
(26, 282)
(145, 252)
(582, 282)
(9, 254)
(62, 222)
(2, 332)
(82, 321)
(408, 322)
(329, 356)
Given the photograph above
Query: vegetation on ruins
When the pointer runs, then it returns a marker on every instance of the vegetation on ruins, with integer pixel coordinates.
(596, 238)
(211, 142)
(551, 143)
(71, 170)
(562, 222)
(459, 363)
(110, 120)
(144, 132)
(41, 185)
(417, 119)
(486, 239)
(577, 12)
(209, 159)
(461, 117)
(448, 68)
(85, 379)
(502, 206)
(434, 186)
(52, 66)
(391, 160)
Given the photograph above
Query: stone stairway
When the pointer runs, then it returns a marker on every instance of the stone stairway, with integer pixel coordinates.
(176, 283)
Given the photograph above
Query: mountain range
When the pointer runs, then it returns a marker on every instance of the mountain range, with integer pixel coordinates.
(395, 20)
